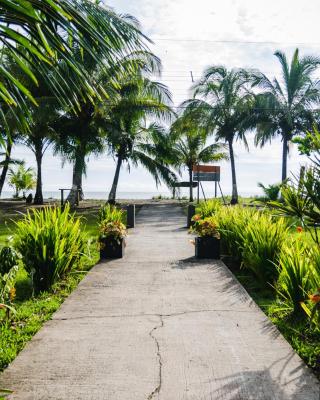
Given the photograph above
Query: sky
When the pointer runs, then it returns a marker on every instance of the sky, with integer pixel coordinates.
(189, 36)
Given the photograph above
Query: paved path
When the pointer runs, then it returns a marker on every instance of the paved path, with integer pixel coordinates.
(158, 325)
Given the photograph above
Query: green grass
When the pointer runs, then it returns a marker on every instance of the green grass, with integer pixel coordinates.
(32, 312)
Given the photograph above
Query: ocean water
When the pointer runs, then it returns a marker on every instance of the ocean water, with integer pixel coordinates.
(97, 195)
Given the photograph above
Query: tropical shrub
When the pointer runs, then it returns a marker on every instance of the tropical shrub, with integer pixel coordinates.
(205, 227)
(111, 223)
(50, 242)
(232, 222)
(262, 240)
(111, 213)
(294, 281)
(271, 192)
(115, 230)
(209, 207)
(8, 259)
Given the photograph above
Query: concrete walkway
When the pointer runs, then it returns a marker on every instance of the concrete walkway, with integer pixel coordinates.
(159, 325)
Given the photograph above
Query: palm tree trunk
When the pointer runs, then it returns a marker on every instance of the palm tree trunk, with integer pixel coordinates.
(234, 198)
(284, 158)
(113, 191)
(76, 192)
(191, 187)
(5, 165)
(38, 197)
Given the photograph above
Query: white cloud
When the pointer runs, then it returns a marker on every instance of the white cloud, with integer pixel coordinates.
(210, 20)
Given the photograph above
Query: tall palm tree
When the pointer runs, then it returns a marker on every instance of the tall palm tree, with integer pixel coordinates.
(80, 134)
(285, 107)
(48, 30)
(38, 136)
(189, 146)
(77, 136)
(148, 146)
(221, 104)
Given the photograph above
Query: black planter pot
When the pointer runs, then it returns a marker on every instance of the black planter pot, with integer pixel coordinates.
(111, 248)
(207, 247)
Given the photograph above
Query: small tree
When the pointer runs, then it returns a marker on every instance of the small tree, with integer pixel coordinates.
(22, 179)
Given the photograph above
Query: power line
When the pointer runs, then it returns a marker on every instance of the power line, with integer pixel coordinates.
(225, 41)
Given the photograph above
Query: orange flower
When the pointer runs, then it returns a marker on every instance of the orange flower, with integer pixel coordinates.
(299, 229)
(196, 217)
(315, 298)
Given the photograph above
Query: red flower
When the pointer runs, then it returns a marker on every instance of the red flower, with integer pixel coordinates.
(299, 229)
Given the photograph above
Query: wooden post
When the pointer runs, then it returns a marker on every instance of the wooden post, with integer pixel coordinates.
(191, 212)
(131, 215)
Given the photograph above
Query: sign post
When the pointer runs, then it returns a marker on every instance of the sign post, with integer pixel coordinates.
(206, 173)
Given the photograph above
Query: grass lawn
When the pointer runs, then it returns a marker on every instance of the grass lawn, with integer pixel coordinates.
(32, 311)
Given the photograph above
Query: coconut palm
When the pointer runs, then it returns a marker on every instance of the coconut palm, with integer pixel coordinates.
(21, 179)
(285, 107)
(189, 146)
(6, 155)
(81, 134)
(77, 136)
(147, 146)
(48, 31)
(221, 105)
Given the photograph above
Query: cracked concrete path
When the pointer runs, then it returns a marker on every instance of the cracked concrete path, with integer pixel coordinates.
(159, 325)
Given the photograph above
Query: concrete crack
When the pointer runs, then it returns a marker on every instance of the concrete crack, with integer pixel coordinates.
(151, 334)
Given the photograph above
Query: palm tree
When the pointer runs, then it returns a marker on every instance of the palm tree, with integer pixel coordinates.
(285, 107)
(21, 179)
(39, 134)
(147, 146)
(77, 137)
(189, 146)
(8, 143)
(222, 109)
(138, 98)
(48, 31)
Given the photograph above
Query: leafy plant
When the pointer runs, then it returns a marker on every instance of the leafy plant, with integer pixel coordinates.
(294, 279)
(8, 259)
(7, 290)
(271, 192)
(205, 227)
(209, 207)
(232, 222)
(262, 240)
(112, 229)
(111, 213)
(50, 242)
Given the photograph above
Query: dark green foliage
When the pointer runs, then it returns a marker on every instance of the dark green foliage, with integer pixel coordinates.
(8, 259)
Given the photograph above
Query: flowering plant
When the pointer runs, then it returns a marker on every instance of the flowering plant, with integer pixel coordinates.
(205, 227)
(112, 229)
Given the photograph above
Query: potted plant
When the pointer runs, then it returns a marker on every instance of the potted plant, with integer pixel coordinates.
(207, 242)
(112, 232)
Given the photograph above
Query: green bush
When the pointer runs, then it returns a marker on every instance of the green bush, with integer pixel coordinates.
(8, 259)
(262, 240)
(50, 242)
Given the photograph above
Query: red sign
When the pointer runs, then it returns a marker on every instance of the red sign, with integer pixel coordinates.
(206, 168)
